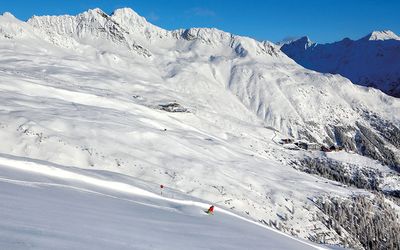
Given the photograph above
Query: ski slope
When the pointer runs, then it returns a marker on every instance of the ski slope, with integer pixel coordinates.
(86, 91)
(53, 207)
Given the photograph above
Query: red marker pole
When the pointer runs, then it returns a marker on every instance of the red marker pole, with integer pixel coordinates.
(161, 187)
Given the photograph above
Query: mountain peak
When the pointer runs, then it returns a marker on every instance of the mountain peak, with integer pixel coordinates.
(305, 39)
(11, 27)
(8, 15)
(302, 43)
(381, 35)
(96, 12)
(128, 17)
(128, 12)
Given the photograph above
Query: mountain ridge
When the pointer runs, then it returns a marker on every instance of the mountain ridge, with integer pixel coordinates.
(372, 61)
(135, 29)
(382, 35)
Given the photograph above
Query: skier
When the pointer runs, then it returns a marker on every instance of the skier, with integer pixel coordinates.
(210, 210)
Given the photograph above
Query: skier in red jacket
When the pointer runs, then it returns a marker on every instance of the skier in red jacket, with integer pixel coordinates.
(210, 210)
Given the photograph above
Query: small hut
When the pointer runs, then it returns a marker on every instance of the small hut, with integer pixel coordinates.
(308, 146)
(287, 140)
(336, 148)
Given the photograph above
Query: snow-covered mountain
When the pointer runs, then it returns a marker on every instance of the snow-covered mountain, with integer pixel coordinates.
(263, 79)
(372, 61)
(201, 111)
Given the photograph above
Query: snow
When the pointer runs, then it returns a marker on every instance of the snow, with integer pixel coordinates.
(85, 91)
(371, 61)
(382, 35)
(362, 160)
(59, 208)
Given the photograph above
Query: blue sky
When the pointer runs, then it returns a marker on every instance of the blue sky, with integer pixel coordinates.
(323, 20)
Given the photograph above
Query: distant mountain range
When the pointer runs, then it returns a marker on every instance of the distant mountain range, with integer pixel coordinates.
(372, 61)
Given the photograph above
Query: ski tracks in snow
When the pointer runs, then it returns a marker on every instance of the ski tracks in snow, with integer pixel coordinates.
(69, 175)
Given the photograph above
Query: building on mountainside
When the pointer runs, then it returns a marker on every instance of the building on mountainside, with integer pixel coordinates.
(308, 146)
(287, 140)
(313, 146)
(325, 149)
(331, 148)
(336, 148)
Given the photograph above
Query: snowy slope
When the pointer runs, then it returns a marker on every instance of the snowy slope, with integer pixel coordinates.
(86, 91)
(372, 61)
(53, 207)
(298, 103)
